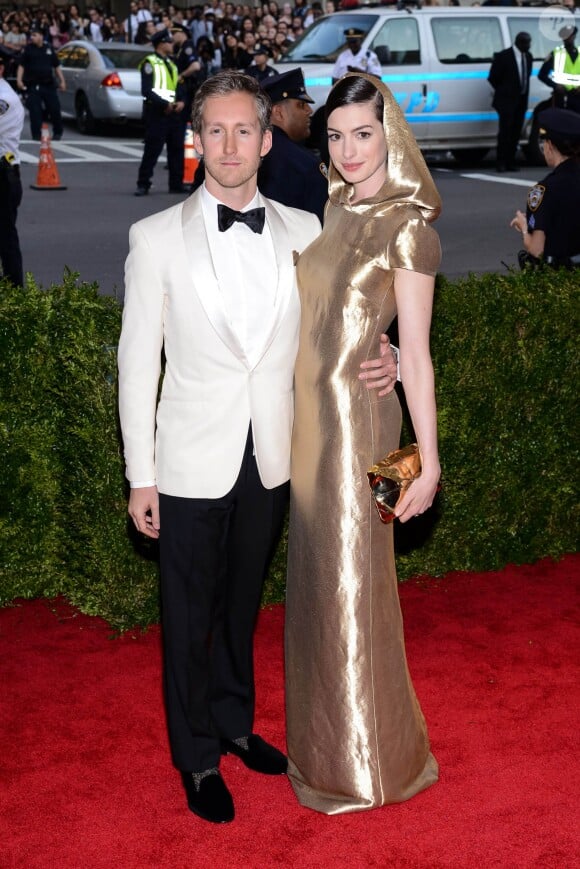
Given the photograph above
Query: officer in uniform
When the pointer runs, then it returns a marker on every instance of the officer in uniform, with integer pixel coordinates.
(550, 227)
(290, 173)
(561, 71)
(163, 106)
(35, 77)
(353, 58)
(260, 69)
(11, 123)
(188, 66)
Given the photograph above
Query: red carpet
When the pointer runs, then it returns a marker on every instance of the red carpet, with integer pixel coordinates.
(86, 779)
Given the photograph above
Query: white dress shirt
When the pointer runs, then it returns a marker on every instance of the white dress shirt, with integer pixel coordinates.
(245, 266)
(522, 68)
(365, 60)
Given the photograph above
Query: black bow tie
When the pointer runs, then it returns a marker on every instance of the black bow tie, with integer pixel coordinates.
(254, 218)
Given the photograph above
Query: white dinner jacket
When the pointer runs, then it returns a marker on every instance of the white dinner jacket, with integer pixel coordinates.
(192, 441)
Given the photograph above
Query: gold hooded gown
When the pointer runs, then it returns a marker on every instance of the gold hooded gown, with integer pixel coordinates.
(356, 734)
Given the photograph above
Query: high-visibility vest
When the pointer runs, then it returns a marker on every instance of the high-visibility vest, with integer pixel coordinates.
(165, 76)
(566, 70)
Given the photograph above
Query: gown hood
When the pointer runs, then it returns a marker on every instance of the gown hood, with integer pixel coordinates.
(408, 182)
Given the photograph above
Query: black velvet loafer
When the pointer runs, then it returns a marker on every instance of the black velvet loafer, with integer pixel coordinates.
(258, 755)
(212, 800)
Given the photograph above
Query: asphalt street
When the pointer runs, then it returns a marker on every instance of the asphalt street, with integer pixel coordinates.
(85, 227)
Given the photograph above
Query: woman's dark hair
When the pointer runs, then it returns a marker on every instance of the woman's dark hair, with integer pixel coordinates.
(355, 89)
(566, 147)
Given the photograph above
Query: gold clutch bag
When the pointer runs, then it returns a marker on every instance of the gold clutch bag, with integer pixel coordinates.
(391, 477)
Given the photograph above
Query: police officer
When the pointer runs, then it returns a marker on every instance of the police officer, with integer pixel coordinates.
(353, 58)
(163, 105)
(260, 68)
(35, 77)
(550, 227)
(11, 123)
(188, 67)
(561, 71)
(290, 173)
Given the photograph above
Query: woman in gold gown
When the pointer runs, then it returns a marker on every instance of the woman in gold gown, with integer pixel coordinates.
(356, 734)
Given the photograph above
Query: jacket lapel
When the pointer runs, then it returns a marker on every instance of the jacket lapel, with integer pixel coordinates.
(203, 274)
(285, 269)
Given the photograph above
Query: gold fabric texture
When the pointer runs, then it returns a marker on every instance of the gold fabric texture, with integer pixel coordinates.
(356, 735)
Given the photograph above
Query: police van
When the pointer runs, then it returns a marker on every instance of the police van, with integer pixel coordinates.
(436, 61)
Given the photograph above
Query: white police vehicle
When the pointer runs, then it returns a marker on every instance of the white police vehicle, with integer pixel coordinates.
(436, 61)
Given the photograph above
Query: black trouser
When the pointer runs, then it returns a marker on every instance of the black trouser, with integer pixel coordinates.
(162, 130)
(214, 557)
(41, 98)
(10, 199)
(511, 121)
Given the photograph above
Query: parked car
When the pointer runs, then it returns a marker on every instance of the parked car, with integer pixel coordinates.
(436, 61)
(103, 82)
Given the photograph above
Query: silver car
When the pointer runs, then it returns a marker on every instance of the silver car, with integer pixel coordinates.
(103, 82)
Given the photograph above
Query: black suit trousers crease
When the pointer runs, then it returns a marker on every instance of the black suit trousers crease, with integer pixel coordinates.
(214, 557)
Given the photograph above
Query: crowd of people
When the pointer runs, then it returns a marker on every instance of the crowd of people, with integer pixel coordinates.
(228, 32)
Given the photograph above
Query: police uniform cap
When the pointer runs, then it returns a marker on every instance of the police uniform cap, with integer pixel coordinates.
(179, 28)
(161, 36)
(560, 124)
(287, 86)
(353, 33)
(567, 31)
(260, 49)
(37, 29)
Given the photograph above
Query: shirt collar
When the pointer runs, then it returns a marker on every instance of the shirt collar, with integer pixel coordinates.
(211, 203)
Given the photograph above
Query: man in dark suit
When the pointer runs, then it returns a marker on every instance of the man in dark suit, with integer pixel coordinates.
(509, 76)
(290, 173)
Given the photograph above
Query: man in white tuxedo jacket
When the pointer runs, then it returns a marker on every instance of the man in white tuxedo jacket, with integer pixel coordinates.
(209, 465)
(211, 282)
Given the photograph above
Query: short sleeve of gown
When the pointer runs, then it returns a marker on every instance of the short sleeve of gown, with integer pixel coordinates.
(415, 246)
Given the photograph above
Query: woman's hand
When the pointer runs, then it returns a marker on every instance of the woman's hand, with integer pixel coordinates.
(419, 496)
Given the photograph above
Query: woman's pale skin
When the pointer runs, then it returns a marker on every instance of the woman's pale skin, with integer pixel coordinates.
(357, 146)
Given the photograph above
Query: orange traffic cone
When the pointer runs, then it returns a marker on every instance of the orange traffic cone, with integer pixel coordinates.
(47, 177)
(190, 158)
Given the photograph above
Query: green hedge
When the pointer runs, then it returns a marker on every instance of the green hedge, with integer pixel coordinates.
(506, 366)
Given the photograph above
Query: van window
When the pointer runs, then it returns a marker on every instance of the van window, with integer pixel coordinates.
(397, 42)
(466, 40)
(324, 41)
(543, 30)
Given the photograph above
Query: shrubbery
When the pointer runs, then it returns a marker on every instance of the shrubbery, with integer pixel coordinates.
(505, 355)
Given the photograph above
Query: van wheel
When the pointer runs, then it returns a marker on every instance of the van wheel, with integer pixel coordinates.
(86, 123)
(469, 156)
